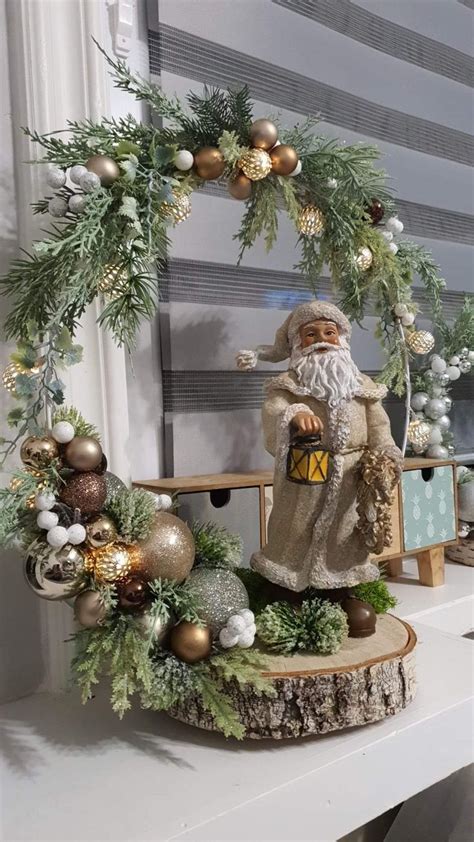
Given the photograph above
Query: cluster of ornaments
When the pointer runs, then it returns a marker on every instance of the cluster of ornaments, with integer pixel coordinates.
(98, 171)
(431, 408)
(239, 630)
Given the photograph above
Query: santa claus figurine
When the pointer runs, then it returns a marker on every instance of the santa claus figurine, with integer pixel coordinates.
(322, 527)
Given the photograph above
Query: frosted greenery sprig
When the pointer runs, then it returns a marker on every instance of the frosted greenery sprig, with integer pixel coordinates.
(216, 546)
(318, 626)
(133, 512)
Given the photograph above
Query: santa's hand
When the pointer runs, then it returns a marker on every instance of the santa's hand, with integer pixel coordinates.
(307, 424)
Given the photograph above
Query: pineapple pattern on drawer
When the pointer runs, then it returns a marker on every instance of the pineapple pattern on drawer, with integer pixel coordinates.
(428, 508)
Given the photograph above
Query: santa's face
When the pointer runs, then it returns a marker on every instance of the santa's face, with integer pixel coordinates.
(323, 364)
(318, 331)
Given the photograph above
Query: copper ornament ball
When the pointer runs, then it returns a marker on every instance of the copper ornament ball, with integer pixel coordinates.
(83, 453)
(133, 594)
(89, 609)
(106, 168)
(263, 134)
(100, 531)
(284, 159)
(191, 643)
(240, 187)
(85, 491)
(38, 451)
(209, 163)
(168, 552)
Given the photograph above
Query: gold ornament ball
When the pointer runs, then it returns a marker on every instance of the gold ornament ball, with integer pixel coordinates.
(106, 168)
(419, 433)
(89, 609)
(113, 282)
(240, 187)
(85, 491)
(209, 163)
(9, 376)
(100, 531)
(168, 552)
(255, 164)
(191, 643)
(55, 573)
(16, 483)
(38, 451)
(178, 210)
(310, 221)
(153, 627)
(284, 159)
(83, 453)
(364, 258)
(420, 341)
(113, 563)
(263, 134)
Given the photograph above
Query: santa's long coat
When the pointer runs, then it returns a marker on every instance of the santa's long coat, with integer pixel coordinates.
(312, 535)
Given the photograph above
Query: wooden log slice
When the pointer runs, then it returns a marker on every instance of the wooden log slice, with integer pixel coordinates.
(367, 680)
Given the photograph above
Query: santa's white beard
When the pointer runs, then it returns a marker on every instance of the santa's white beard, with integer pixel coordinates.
(330, 376)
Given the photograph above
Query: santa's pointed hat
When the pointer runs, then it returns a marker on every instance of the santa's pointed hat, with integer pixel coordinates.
(288, 332)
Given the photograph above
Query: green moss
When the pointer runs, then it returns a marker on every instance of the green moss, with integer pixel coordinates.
(377, 594)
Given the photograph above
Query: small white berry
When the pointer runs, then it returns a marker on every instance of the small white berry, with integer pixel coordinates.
(235, 625)
(400, 309)
(164, 502)
(393, 248)
(57, 537)
(246, 639)
(248, 616)
(77, 203)
(76, 173)
(387, 235)
(45, 501)
(63, 432)
(56, 178)
(296, 170)
(57, 206)
(226, 639)
(76, 534)
(47, 520)
(454, 360)
(183, 160)
(89, 182)
(332, 183)
(408, 319)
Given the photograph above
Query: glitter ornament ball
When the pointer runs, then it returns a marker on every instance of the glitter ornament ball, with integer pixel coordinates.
(38, 451)
(76, 534)
(419, 434)
(434, 408)
(255, 164)
(57, 206)
(63, 432)
(54, 573)
(453, 372)
(183, 160)
(113, 563)
(85, 491)
(76, 173)
(263, 134)
(89, 182)
(113, 484)
(168, 552)
(190, 643)
(77, 203)
(105, 168)
(56, 178)
(179, 209)
(420, 341)
(209, 163)
(419, 401)
(364, 258)
(437, 451)
(100, 531)
(310, 221)
(89, 609)
(219, 594)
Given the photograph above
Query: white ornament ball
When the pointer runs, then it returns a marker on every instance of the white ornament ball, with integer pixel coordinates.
(408, 319)
(454, 360)
(57, 537)
(77, 203)
(89, 182)
(464, 366)
(246, 639)
(236, 625)
(248, 616)
(436, 436)
(164, 502)
(76, 173)
(296, 170)
(419, 401)
(57, 206)
(63, 432)
(438, 365)
(470, 356)
(76, 534)
(435, 408)
(387, 235)
(45, 501)
(183, 160)
(437, 391)
(437, 451)
(393, 248)
(448, 403)
(47, 520)
(464, 352)
(332, 183)
(394, 225)
(56, 178)
(226, 639)
(444, 423)
(453, 372)
(400, 309)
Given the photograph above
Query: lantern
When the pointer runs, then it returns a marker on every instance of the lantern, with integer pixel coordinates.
(308, 463)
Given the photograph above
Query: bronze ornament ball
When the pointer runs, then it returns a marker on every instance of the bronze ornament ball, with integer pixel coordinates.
(376, 211)
(85, 491)
(284, 159)
(153, 626)
(105, 167)
(55, 573)
(361, 617)
(191, 643)
(38, 451)
(133, 595)
(89, 609)
(113, 563)
(83, 453)
(240, 187)
(100, 531)
(168, 552)
(209, 163)
(263, 134)
(256, 164)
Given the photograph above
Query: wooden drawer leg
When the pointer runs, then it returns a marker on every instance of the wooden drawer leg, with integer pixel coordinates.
(431, 567)
(393, 566)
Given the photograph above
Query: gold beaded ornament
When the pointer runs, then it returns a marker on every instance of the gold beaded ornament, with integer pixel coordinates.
(113, 282)
(255, 164)
(112, 563)
(419, 433)
(420, 341)
(178, 210)
(9, 376)
(310, 221)
(364, 258)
